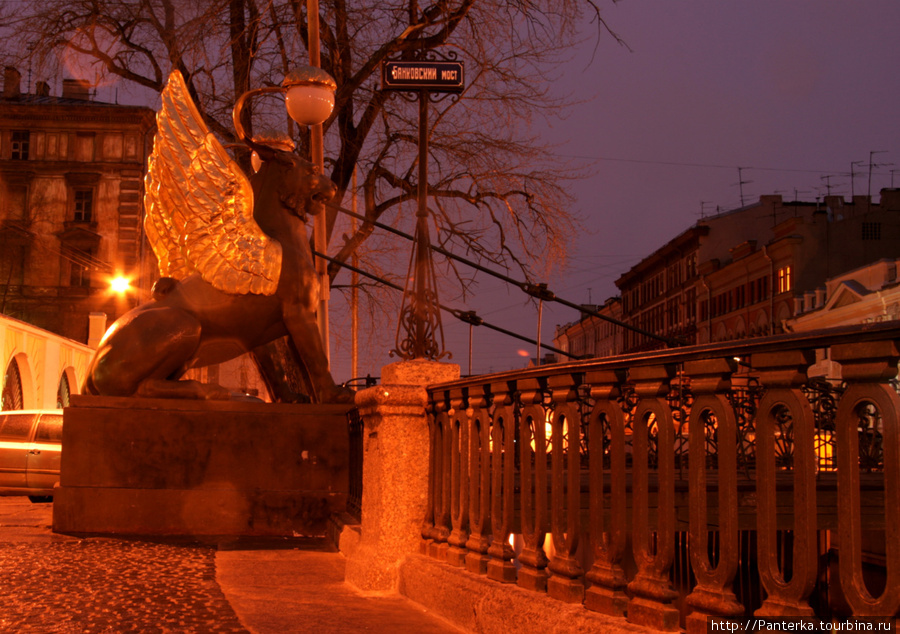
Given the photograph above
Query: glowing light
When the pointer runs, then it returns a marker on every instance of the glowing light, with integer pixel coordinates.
(522, 353)
(120, 284)
(309, 95)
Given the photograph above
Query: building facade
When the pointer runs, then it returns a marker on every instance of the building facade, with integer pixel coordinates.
(592, 336)
(737, 274)
(747, 272)
(71, 185)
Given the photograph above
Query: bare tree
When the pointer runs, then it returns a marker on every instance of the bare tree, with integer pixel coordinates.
(497, 190)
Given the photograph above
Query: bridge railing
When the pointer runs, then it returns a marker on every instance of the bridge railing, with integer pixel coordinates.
(666, 488)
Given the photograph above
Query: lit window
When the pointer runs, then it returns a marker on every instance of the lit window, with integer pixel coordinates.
(784, 279)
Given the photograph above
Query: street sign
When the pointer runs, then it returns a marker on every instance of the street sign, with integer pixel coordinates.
(423, 75)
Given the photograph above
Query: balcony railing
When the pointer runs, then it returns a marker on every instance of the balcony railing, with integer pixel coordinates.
(667, 488)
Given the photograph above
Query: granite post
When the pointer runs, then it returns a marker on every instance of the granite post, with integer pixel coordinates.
(395, 471)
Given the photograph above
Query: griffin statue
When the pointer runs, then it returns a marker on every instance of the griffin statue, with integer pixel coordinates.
(235, 260)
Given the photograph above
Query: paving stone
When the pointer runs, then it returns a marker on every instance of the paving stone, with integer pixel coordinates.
(104, 585)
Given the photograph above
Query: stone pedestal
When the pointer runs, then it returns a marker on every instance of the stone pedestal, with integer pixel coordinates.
(133, 466)
(395, 471)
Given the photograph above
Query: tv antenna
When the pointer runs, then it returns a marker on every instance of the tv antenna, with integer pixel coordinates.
(871, 164)
(853, 178)
(742, 182)
(827, 178)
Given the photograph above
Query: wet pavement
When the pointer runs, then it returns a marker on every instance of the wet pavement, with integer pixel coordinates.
(58, 583)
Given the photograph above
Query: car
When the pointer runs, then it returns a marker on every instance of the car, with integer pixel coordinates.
(30, 446)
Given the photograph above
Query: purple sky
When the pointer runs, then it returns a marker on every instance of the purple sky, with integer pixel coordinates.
(792, 91)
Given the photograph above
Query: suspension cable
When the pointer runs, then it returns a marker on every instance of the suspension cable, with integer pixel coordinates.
(467, 316)
(538, 291)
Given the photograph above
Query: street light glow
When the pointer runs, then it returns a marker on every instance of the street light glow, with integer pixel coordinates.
(120, 284)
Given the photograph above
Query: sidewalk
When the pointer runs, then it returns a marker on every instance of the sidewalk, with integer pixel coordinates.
(303, 590)
(59, 583)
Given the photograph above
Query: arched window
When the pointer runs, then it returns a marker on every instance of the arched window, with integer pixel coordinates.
(63, 392)
(12, 388)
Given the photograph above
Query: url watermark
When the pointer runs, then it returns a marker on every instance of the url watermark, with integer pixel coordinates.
(799, 624)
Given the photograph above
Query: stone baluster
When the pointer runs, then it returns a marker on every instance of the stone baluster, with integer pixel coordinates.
(459, 481)
(533, 472)
(868, 368)
(652, 594)
(713, 595)
(479, 481)
(440, 457)
(567, 580)
(503, 472)
(437, 408)
(782, 374)
(606, 593)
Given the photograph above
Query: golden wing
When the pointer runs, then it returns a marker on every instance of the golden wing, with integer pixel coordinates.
(199, 205)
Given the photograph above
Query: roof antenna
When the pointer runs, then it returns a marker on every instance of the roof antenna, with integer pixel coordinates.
(742, 182)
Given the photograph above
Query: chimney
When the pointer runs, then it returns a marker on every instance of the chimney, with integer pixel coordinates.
(76, 89)
(11, 83)
(42, 89)
(96, 328)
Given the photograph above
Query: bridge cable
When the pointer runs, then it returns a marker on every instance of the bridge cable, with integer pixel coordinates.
(538, 291)
(467, 316)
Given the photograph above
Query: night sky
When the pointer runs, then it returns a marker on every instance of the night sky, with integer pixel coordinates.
(792, 91)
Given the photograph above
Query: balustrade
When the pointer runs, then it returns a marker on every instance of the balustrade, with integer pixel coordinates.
(588, 481)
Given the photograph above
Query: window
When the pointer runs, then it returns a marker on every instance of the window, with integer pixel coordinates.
(19, 146)
(871, 231)
(63, 392)
(784, 279)
(84, 204)
(80, 275)
(13, 397)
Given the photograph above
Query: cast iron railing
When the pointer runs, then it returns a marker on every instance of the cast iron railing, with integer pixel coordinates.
(665, 488)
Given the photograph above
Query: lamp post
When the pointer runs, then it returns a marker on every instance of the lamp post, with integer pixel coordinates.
(419, 331)
(309, 98)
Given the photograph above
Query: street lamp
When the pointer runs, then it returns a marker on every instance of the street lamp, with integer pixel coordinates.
(309, 99)
(120, 284)
(309, 95)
